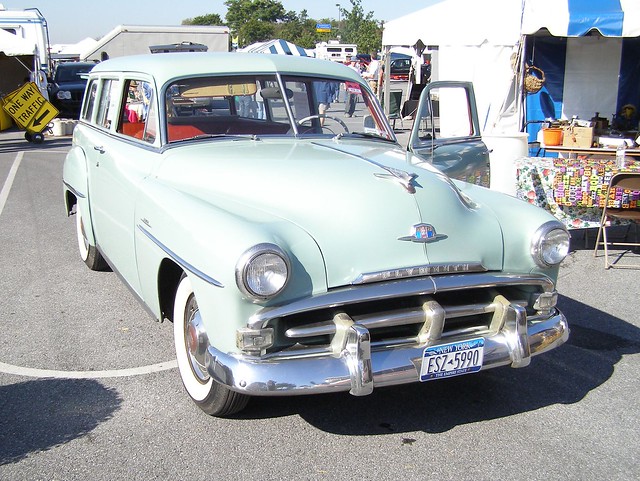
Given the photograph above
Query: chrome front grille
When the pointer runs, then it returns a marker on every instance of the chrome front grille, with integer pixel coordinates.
(417, 311)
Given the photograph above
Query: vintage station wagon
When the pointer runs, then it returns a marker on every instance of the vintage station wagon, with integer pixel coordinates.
(296, 250)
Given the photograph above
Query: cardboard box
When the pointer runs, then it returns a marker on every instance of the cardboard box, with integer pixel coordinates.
(578, 137)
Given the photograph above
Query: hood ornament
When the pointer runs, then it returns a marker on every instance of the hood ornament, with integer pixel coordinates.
(423, 233)
(403, 178)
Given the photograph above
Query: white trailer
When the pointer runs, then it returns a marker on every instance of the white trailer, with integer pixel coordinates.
(24, 49)
(336, 51)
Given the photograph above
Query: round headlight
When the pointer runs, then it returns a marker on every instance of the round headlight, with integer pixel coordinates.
(262, 272)
(63, 95)
(550, 244)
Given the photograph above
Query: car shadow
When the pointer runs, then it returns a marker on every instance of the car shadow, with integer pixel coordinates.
(38, 415)
(13, 144)
(563, 376)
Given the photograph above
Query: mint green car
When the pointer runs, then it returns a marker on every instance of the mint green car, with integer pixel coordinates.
(296, 249)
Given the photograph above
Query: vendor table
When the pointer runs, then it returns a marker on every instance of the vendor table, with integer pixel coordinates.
(573, 190)
(591, 151)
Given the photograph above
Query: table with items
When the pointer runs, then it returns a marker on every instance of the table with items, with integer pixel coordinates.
(573, 190)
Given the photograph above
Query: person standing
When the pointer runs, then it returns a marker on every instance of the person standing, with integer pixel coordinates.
(372, 72)
(352, 90)
(325, 92)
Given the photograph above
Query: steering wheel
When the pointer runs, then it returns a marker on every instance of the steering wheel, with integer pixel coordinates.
(323, 116)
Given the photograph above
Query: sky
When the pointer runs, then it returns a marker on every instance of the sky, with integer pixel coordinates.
(71, 21)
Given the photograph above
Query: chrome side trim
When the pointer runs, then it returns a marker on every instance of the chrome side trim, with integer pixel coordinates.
(74, 191)
(179, 260)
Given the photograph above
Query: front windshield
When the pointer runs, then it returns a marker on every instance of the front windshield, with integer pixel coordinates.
(267, 105)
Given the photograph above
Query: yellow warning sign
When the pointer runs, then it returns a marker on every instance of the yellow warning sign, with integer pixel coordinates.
(28, 108)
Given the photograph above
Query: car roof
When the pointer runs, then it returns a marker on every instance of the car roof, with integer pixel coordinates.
(165, 67)
(75, 64)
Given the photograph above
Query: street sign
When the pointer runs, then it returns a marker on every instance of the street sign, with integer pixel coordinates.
(28, 108)
(323, 27)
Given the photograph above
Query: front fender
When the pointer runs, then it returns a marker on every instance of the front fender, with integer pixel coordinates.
(519, 221)
(210, 238)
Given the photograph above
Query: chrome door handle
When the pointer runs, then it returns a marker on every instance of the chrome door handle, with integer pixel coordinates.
(99, 148)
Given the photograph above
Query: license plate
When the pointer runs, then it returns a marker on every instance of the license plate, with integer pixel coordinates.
(453, 359)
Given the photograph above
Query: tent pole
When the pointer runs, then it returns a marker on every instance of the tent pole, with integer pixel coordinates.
(387, 74)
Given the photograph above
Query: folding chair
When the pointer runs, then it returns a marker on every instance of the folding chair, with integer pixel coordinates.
(629, 181)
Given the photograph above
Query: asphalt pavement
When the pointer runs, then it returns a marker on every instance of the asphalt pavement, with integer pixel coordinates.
(88, 387)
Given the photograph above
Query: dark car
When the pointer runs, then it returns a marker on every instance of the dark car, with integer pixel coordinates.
(67, 87)
(400, 67)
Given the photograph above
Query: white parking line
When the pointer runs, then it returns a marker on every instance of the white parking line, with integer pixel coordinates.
(4, 193)
(48, 373)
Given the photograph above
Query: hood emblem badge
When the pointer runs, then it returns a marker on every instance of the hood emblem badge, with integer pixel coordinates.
(423, 233)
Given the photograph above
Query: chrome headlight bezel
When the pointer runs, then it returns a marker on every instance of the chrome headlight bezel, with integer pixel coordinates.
(550, 244)
(63, 95)
(248, 272)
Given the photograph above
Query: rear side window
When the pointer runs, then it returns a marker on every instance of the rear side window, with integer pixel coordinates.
(108, 103)
(90, 101)
(138, 116)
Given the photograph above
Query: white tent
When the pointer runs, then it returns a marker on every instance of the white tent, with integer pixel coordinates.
(468, 39)
(474, 41)
(276, 46)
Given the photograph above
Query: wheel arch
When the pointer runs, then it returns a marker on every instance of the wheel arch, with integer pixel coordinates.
(169, 275)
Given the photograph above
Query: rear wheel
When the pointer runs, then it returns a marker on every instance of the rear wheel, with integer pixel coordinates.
(88, 253)
(190, 341)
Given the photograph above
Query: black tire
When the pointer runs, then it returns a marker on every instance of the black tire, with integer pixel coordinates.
(88, 253)
(213, 398)
(28, 137)
(37, 138)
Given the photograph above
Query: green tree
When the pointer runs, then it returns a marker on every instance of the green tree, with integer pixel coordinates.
(254, 20)
(300, 29)
(208, 19)
(361, 29)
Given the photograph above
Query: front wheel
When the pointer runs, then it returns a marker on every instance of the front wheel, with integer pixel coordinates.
(191, 342)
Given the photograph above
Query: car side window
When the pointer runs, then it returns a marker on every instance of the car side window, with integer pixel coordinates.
(138, 116)
(108, 103)
(447, 115)
(90, 101)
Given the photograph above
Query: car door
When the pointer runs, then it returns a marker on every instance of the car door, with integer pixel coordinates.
(446, 132)
(121, 154)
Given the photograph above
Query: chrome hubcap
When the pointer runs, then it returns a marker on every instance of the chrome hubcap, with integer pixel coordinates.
(195, 340)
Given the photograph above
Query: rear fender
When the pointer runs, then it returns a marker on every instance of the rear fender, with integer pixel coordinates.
(76, 187)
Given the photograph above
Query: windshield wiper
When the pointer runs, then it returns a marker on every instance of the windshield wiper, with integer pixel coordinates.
(214, 136)
(365, 135)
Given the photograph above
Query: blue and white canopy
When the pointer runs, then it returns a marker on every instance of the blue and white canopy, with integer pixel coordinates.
(576, 18)
(277, 46)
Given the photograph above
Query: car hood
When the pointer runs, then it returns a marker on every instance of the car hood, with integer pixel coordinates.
(69, 85)
(349, 196)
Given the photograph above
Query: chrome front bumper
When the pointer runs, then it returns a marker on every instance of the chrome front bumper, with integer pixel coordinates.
(358, 368)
